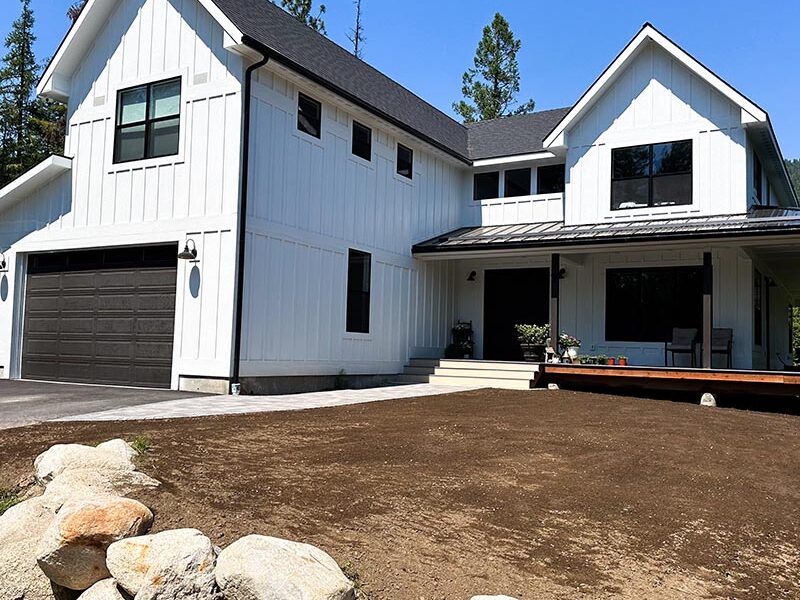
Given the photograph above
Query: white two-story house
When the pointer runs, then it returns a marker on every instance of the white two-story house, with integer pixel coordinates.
(241, 200)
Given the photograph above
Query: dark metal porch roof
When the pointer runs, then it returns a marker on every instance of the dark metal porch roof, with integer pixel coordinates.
(759, 222)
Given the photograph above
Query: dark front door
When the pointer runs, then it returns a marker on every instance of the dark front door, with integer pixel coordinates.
(512, 296)
(101, 316)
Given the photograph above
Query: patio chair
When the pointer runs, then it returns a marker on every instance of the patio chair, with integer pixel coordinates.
(684, 341)
(722, 343)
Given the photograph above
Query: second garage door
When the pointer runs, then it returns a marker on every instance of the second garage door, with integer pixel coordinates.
(101, 316)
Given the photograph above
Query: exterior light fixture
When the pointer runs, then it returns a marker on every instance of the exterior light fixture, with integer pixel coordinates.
(562, 274)
(3, 263)
(472, 276)
(189, 254)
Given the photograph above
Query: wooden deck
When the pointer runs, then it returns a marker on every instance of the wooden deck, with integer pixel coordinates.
(715, 381)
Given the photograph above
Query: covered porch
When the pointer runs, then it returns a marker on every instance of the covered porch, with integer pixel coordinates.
(623, 288)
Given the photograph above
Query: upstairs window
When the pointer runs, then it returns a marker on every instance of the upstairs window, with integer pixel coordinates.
(758, 174)
(148, 121)
(652, 175)
(362, 141)
(359, 282)
(518, 183)
(309, 116)
(550, 179)
(405, 161)
(486, 186)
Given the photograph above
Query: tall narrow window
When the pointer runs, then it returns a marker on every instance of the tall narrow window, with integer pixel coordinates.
(486, 186)
(148, 121)
(550, 179)
(359, 281)
(757, 179)
(309, 116)
(518, 183)
(405, 161)
(652, 175)
(362, 141)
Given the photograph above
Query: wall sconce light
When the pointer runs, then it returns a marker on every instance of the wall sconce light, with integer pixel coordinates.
(562, 274)
(3, 263)
(472, 276)
(189, 254)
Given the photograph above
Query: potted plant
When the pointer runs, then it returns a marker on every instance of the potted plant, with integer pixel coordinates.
(612, 361)
(622, 361)
(570, 343)
(463, 346)
(532, 340)
(601, 359)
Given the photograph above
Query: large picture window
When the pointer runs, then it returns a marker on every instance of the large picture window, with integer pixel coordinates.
(359, 282)
(148, 121)
(644, 305)
(652, 175)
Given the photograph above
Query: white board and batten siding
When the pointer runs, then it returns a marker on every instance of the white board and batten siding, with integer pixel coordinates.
(193, 194)
(654, 100)
(310, 201)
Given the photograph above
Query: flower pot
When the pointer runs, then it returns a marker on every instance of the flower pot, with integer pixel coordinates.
(532, 352)
(623, 362)
(572, 352)
(612, 362)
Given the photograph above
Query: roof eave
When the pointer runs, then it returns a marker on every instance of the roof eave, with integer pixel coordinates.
(40, 175)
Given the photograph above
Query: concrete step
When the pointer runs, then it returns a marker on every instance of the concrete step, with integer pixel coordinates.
(485, 365)
(412, 378)
(419, 370)
(487, 373)
(487, 382)
(424, 362)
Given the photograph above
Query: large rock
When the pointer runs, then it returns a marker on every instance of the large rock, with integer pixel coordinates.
(20, 529)
(103, 590)
(265, 568)
(91, 483)
(72, 552)
(111, 455)
(171, 565)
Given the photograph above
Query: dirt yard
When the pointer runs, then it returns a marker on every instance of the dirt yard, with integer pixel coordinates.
(531, 494)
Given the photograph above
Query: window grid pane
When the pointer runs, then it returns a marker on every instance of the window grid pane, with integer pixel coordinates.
(550, 179)
(486, 186)
(517, 183)
(148, 121)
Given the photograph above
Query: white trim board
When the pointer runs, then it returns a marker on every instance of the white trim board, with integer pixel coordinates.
(43, 173)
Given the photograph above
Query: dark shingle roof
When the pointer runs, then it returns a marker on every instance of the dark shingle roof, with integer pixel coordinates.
(315, 56)
(557, 234)
(510, 136)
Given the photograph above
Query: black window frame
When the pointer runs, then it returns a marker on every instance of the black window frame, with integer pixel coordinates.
(638, 321)
(506, 185)
(651, 177)
(475, 185)
(301, 97)
(544, 169)
(148, 121)
(358, 298)
(354, 140)
(410, 161)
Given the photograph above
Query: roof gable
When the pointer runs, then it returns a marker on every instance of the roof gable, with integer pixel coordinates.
(751, 112)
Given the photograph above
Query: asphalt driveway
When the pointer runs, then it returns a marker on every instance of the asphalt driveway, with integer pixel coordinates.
(28, 402)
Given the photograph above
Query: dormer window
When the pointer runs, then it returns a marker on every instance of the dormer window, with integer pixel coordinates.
(148, 121)
(651, 175)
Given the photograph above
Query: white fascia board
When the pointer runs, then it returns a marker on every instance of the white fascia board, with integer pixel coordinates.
(24, 185)
(56, 79)
(510, 160)
(649, 33)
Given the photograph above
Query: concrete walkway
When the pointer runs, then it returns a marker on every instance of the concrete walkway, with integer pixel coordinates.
(229, 405)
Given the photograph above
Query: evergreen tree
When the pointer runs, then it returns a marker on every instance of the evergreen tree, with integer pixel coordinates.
(75, 10)
(30, 129)
(490, 88)
(793, 166)
(302, 11)
(356, 34)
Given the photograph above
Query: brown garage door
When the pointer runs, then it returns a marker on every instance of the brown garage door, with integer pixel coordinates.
(101, 316)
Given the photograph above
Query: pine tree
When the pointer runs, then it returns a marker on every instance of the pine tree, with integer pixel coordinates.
(30, 129)
(302, 11)
(75, 10)
(793, 166)
(492, 84)
(356, 35)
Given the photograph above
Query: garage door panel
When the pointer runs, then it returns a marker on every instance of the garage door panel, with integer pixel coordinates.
(104, 317)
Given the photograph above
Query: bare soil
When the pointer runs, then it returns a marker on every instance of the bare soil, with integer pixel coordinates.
(531, 494)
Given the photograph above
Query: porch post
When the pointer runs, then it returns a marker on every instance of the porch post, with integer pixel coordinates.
(708, 317)
(555, 283)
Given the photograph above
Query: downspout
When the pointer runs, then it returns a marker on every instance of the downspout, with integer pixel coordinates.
(240, 259)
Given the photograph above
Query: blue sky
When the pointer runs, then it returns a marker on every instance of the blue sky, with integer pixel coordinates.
(427, 44)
